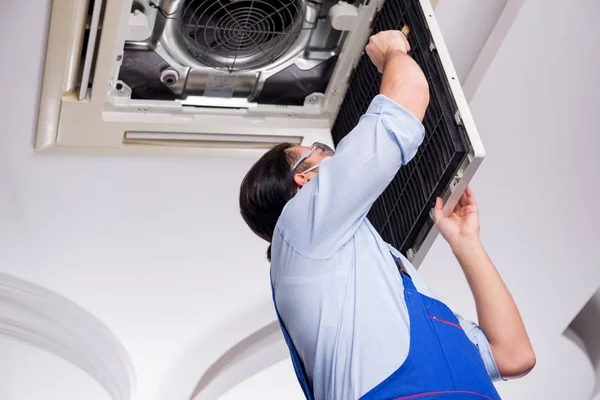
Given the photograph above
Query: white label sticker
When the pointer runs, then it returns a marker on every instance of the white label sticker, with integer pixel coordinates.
(220, 85)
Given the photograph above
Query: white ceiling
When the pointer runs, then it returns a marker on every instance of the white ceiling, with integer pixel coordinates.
(156, 250)
(465, 45)
(28, 373)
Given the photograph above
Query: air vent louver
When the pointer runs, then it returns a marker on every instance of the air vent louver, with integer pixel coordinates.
(401, 213)
(89, 51)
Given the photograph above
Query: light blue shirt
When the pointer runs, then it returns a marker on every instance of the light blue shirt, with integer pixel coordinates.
(337, 287)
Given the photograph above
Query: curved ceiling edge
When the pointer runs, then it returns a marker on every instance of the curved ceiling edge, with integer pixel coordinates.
(252, 355)
(40, 317)
(584, 331)
(203, 359)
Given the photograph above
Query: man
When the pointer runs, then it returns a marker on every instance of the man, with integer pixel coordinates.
(355, 326)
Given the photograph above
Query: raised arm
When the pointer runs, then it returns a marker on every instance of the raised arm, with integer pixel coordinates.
(326, 212)
(497, 312)
(403, 80)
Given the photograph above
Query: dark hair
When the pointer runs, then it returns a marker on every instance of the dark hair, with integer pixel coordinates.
(266, 189)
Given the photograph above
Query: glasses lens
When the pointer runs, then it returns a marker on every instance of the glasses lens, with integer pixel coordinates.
(321, 146)
(324, 148)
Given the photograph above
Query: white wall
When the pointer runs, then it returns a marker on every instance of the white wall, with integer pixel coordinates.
(155, 247)
(536, 110)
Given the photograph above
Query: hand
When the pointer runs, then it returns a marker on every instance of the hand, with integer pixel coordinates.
(383, 45)
(462, 225)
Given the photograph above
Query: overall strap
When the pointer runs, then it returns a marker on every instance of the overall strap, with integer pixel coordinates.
(406, 279)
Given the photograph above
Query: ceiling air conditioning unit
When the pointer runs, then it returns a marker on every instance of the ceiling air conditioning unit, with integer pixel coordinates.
(235, 77)
(199, 77)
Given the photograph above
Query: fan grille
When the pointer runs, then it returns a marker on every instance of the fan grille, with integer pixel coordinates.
(240, 35)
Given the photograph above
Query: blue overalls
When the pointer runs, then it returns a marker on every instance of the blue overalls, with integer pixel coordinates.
(442, 362)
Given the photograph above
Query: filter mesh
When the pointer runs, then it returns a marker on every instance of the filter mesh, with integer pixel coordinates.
(401, 213)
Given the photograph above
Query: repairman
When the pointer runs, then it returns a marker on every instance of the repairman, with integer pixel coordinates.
(356, 327)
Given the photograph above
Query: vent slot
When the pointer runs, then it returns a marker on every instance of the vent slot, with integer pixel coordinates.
(89, 51)
(222, 141)
(401, 213)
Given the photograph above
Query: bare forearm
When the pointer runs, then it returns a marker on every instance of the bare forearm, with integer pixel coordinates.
(404, 82)
(497, 313)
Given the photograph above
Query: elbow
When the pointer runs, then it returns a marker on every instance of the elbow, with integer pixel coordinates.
(413, 95)
(417, 86)
(407, 85)
(420, 90)
(516, 364)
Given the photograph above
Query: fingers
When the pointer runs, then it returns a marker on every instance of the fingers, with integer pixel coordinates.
(438, 211)
(406, 42)
(470, 197)
(457, 207)
(467, 198)
(373, 50)
(463, 201)
(386, 43)
(469, 210)
(466, 204)
(390, 40)
(369, 51)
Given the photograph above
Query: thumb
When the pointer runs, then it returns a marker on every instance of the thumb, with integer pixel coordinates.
(438, 211)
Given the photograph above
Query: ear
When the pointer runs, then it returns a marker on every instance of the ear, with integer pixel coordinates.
(301, 179)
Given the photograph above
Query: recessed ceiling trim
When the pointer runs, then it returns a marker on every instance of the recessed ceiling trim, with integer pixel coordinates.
(37, 316)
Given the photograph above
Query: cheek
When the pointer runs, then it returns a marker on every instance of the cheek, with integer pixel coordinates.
(325, 156)
(313, 159)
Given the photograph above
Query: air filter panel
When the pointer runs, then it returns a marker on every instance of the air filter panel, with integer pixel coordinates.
(402, 213)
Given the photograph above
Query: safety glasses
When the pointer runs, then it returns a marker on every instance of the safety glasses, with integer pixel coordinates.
(315, 146)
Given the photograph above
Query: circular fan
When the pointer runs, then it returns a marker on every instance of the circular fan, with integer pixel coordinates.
(240, 34)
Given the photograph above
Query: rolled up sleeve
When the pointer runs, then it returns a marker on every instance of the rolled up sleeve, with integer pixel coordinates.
(479, 339)
(327, 211)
